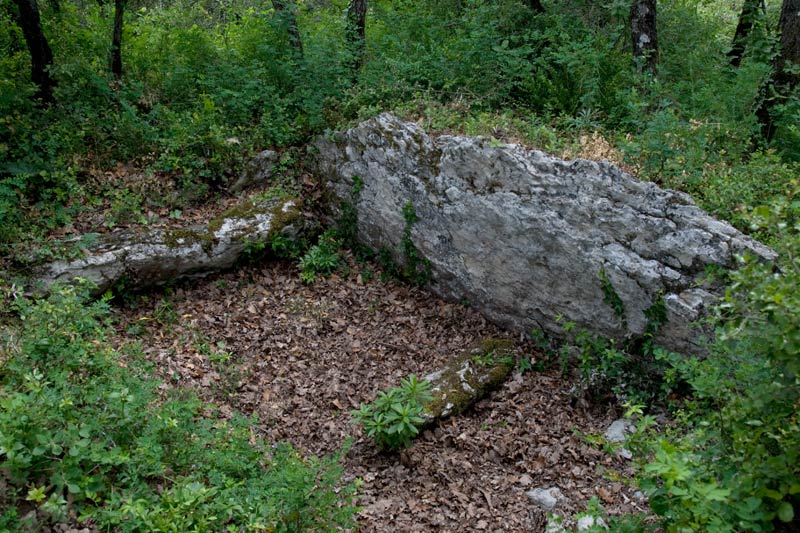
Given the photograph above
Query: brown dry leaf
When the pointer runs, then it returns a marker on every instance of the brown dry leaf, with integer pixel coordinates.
(605, 495)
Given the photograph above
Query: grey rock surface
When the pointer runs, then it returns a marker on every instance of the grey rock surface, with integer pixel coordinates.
(617, 433)
(257, 170)
(546, 498)
(523, 236)
(619, 430)
(555, 524)
(588, 522)
(150, 257)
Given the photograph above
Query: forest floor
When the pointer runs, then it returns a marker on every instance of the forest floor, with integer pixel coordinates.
(256, 340)
(301, 357)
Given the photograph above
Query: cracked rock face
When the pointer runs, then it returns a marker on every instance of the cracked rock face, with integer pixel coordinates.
(258, 170)
(524, 236)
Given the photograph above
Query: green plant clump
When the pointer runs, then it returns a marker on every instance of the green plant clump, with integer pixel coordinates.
(733, 461)
(322, 258)
(85, 437)
(631, 372)
(415, 268)
(394, 418)
(611, 298)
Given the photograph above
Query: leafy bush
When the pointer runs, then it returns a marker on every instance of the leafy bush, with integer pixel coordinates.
(733, 463)
(635, 371)
(322, 258)
(84, 434)
(733, 191)
(394, 418)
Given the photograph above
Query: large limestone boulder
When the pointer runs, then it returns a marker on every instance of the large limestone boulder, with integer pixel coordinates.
(149, 257)
(526, 237)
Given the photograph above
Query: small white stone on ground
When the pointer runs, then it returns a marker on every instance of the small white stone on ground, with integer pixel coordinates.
(587, 522)
(619, 430)
(555, 524)
(546, 498)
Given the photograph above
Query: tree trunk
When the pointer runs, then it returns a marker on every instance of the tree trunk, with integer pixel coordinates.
(784, 77)
(116, 39)
(286, 10)
(746, 19)
(535, 6)
(644, 35)
(41, 55)
(790, 40)
(356, 24)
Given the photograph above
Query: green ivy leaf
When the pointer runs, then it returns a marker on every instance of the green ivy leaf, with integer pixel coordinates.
(785, 512)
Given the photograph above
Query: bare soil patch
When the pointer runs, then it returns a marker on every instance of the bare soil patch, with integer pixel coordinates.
(301, 357)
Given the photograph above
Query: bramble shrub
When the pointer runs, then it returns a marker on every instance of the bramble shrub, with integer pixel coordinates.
(84, 435)
(394, 418)
(733, 461)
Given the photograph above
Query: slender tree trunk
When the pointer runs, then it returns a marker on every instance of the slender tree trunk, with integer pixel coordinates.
(644, 35)
(116, 39)
(535, 5)
(41, 54)
(790, 40)
(286, 9)
(746, 19)
(784, 78)
(356, 25)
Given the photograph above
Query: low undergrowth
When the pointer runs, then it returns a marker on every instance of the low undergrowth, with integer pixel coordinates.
(394, 418)
(728, 459)
(86, 435)
(731, 461)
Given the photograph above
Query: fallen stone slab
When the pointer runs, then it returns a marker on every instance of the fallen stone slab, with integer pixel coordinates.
(468, 378)
(142, 258)
(527, 238)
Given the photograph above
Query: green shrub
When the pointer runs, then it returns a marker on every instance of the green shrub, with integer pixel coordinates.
(85, 434)
(732, 191)
(733, 461)
(394, 418)
(322, 258)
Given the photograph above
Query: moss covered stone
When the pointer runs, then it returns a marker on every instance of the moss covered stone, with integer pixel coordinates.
(178, 238)
(153, 257)
(469, 377)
